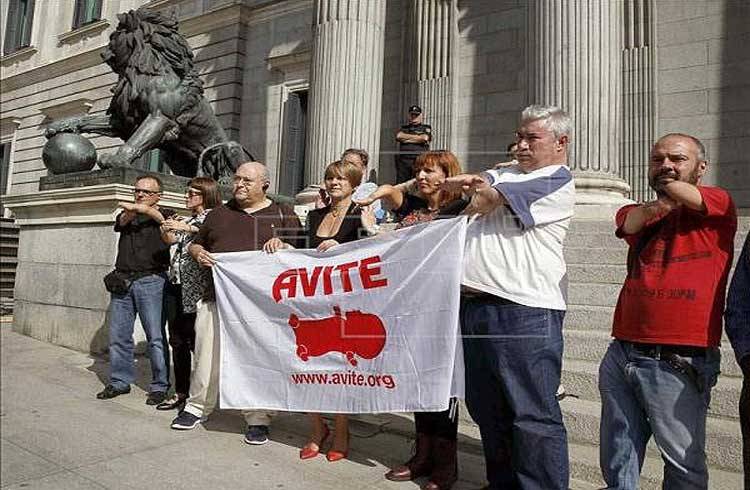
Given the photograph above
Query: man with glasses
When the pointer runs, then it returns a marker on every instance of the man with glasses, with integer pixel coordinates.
(249, 221)
(141, 265)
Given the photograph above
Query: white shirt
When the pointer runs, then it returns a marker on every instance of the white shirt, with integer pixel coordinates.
(516, 251)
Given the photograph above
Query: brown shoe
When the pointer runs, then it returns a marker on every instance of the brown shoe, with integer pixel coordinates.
(419, 465)
(445, 470)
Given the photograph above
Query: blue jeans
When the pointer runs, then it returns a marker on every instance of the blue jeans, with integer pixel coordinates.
(644, 396)
(513, 358)
(146, 298)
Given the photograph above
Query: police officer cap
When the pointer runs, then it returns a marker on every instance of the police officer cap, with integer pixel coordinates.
(415, 109)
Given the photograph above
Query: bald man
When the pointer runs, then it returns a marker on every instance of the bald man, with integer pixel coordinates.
(656, 377)
(249, 221)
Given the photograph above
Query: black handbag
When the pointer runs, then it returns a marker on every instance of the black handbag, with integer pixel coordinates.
(118, 282)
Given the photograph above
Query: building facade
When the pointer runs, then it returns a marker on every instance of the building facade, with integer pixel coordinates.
(298, 81)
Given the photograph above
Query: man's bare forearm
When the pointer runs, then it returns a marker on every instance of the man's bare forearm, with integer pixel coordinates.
(685, 194)
(647, 213)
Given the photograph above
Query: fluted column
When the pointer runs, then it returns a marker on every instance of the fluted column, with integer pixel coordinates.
(430, 34)
(575, 62)
(346, 82)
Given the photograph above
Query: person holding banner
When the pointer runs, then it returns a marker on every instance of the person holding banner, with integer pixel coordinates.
(187, 280)
(513, 304)
(341, 221)
(250, 221)
(436, 450)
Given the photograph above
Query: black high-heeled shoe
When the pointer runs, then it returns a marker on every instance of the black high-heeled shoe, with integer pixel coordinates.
(176, 402)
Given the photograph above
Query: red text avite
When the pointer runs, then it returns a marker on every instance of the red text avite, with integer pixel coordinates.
(319, 280)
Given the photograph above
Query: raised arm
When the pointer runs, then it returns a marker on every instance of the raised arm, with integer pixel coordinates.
(391, 197)
(647, 213)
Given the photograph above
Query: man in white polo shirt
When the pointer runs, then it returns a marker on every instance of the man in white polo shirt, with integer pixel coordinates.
(513, 304)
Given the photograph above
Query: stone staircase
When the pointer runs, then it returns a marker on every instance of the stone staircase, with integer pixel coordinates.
(596, 264)
(8, 262)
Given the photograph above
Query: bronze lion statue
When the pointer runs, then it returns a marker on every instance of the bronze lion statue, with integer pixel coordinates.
(158, 103)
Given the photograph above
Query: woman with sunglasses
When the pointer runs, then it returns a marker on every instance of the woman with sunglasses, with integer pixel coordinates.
(186, 283)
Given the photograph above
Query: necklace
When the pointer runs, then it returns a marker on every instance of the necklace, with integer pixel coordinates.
(336, 211)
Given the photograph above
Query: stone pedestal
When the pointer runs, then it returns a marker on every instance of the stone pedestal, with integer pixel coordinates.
(66, 246)
(346, 83)
(575, 63)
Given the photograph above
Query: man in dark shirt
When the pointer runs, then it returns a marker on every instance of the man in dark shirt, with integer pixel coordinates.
(142, 259)
(737, 324)
(248, 222)
(413, 138)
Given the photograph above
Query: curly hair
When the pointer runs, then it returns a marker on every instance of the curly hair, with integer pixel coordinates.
(146, 45)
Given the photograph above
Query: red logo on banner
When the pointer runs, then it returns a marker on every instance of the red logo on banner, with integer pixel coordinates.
(354, 333)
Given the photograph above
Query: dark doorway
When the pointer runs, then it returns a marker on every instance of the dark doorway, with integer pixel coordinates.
(292, 165)
(4, 170)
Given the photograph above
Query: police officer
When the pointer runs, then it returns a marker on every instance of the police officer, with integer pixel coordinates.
(413, 138)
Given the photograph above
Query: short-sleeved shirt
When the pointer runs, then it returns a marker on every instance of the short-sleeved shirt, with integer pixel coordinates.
(415, 210)
(350, 229)
(228, 228)
(140, 248)
(415, 148)
(677, 274)
(515, 252)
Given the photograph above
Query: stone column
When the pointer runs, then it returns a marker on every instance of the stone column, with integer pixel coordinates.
(346, 82)
(575, 62)
(430, 34)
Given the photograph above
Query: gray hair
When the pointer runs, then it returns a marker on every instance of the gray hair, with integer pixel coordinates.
(555, 119)
(698, 144)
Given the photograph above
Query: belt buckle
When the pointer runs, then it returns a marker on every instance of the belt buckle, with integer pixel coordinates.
(654, 351)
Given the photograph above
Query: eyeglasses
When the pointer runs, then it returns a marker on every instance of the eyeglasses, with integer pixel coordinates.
(145, 191)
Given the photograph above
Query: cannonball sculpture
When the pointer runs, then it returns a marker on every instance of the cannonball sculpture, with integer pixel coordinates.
(69, 152)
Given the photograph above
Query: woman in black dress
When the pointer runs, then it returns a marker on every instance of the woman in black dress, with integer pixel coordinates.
(339, 222)
(436, 454)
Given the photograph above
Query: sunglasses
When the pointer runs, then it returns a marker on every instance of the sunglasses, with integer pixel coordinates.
(145, 191)
(192, 193)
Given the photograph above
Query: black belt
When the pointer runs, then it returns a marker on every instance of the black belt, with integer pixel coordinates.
(658, 351)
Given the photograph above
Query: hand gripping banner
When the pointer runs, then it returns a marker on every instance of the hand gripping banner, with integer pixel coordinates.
(368, 326)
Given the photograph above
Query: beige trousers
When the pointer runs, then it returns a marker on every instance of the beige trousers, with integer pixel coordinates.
(204, 379)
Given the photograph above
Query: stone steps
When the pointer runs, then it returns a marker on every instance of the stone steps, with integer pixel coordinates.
(723, 439)
(582, 424)
(596, 273)
(590, 345)
(584, 466)
(581, 378)
(588, 317)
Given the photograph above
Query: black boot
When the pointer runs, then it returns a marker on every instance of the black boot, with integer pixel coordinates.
(445, 464)
(419, 465)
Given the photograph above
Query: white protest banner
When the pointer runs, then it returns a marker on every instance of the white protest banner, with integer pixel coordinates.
(368, 326)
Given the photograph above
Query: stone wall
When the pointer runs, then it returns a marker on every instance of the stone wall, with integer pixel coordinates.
(704, 83)
(492, 78)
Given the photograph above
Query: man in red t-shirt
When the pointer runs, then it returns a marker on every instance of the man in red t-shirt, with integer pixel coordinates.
(657, 374)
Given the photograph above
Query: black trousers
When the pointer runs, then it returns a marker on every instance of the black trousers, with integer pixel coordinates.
(745, 426)
(437, 424)
(181, 328)
(404, 167)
